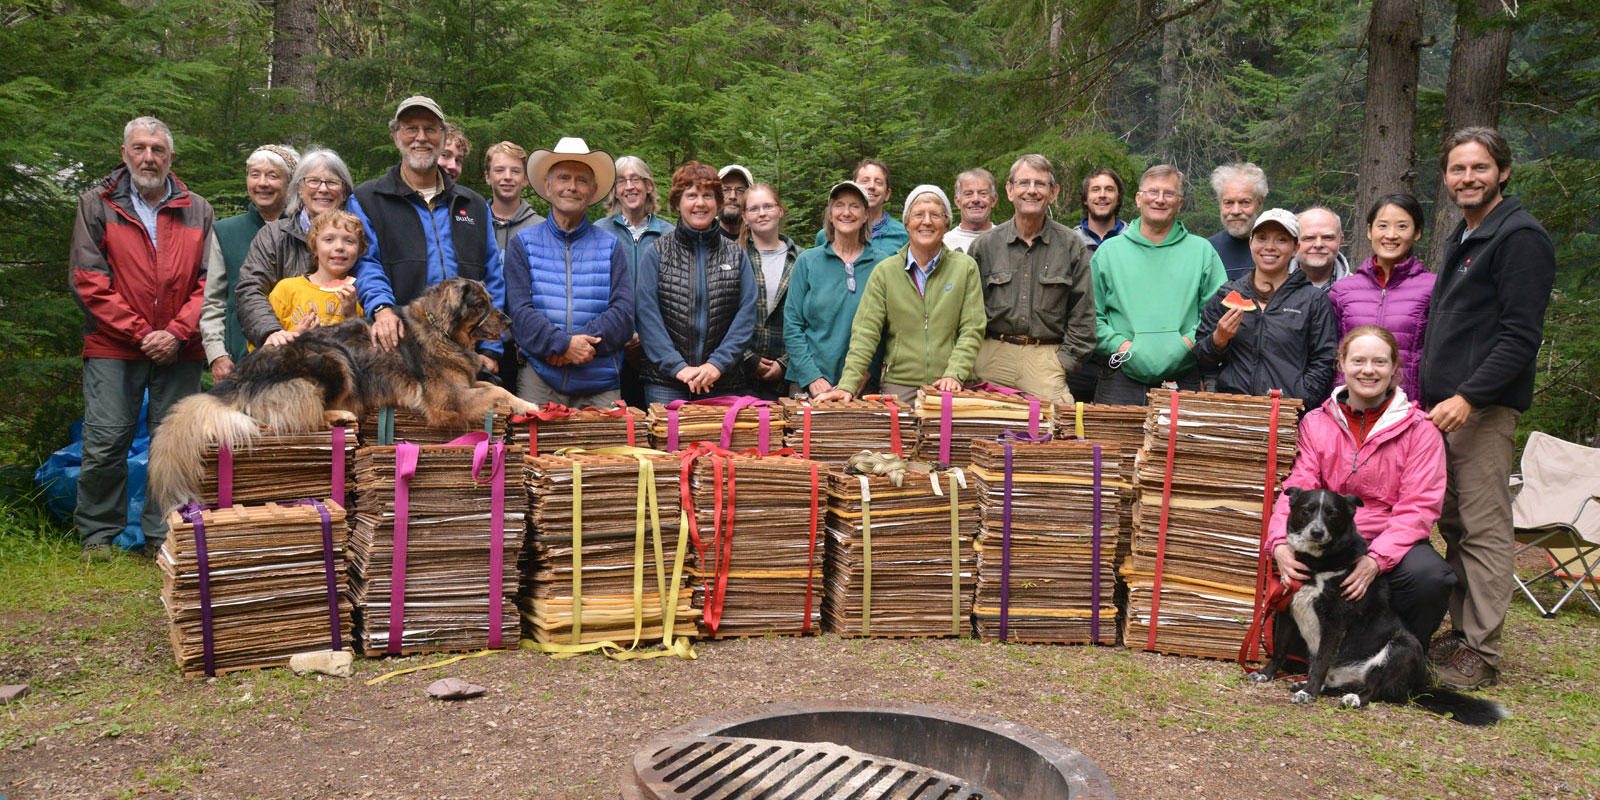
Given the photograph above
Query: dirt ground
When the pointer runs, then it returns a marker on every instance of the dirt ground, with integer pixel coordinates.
(110, 718)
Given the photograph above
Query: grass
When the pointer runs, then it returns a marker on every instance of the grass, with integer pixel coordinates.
(88, 640)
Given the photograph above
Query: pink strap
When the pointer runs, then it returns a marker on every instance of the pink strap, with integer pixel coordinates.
(766, 430)
(225, 476)
(336, 480)
(1033, 416)
(993, 387)
(946, 406)
(405, 466)
(672, 428)
(497, 532)
(734, 406)
(474, 438)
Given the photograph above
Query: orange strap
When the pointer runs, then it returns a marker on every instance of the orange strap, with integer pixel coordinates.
(721, 523)
(805, 430)
(1166, 508)
(1261, 621)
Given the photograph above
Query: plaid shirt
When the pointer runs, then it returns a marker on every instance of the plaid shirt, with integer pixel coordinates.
(768, 339)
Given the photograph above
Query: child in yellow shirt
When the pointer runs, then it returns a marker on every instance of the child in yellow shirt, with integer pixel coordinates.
(327, 296)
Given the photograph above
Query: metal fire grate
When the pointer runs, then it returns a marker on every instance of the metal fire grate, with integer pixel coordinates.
(734, 768)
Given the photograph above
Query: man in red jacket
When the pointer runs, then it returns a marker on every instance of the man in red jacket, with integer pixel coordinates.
(138, 262)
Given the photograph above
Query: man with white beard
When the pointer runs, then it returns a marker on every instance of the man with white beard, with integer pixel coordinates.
(1321, 235)
(1241, 194)
(422, 229)
(138, 260)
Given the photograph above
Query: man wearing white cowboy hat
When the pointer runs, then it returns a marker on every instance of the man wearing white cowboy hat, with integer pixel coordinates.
(422, 228)
(569, 288)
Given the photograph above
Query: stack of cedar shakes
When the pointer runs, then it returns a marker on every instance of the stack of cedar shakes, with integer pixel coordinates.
(1120, 428)
(387, 425)
(434, 545)
(606, 557)
(833, 431)
(737, 424)
(1045, 554)
(900, 554)
(1208, 469)
(282, 467)
(760, 534)
(949, 422)
(247, 587)
(554, 428)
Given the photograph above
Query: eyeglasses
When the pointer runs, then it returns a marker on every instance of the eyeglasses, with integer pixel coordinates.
(632, 180)
(765, 208)
(322, 183)
(1031, 184)
(429, 131)
(1160, 194)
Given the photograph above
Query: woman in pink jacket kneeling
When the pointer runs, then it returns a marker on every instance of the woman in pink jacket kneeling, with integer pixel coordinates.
(1371, 441)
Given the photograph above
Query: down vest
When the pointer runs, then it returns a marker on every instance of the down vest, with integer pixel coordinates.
(1398, 472)
(560, 283)
(1401, 305)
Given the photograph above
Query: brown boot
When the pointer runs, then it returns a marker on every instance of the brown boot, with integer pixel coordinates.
(1444, 646)
(1467, 670)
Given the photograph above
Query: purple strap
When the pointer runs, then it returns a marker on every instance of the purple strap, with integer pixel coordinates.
(405, 465)
(336, 479)
(327, 569)
(672, 428)
(208, 646)
(1005, 548)
(224, 476)
(1094, 574)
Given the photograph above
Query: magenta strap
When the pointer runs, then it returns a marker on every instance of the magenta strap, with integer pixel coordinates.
(405, 466)
(1033, 416)
(672, 429)
(946, 406)
(224, 476)
(1005, 548)
(336, 480)
(1094, 574)
(766, 430)
(497, 528)
(208, 645)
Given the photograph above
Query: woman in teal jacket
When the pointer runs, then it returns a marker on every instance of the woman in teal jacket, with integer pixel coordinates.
(824, 290)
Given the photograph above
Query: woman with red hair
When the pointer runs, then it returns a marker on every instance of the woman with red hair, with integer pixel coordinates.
(695, 305)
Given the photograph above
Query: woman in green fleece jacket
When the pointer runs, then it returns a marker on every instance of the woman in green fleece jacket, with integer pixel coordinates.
(924, 303)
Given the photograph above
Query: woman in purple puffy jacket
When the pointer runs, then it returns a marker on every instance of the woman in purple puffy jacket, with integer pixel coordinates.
(1392, 288)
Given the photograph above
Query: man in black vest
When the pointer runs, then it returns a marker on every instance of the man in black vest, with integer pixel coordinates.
(423, 228)
(1485, 325)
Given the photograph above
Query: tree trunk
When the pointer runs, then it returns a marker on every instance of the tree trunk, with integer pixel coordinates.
(294, 43)
(1389, 126)
(1168, 97)
(1472, 95)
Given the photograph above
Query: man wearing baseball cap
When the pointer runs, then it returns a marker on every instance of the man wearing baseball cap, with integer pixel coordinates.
(423, 228)
(569, 285)
(736, 180)
(1283, 335)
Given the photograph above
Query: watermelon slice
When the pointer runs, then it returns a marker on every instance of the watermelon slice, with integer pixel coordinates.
(1236, 300)
(334, 286)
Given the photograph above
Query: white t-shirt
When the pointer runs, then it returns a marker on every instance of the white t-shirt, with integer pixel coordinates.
(959, 239)
(772, 271)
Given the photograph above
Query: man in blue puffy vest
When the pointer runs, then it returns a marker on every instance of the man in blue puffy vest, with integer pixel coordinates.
(568, 285)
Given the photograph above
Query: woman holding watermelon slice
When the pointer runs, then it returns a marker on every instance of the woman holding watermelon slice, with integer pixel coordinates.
(1392, 288)
(1270, 328)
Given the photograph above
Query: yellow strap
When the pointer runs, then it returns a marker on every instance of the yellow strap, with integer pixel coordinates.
(407, 671)
(866, 549)
(955, 558)
(645, 467)
(669, 613)
(616, 450)
(616, 652)
(1079, 421)
(577, 552)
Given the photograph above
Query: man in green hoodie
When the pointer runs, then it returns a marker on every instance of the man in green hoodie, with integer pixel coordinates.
(1149, 286)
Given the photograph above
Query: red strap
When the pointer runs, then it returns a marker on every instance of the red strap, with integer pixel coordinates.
(627, 414)
(811, 554)
(894, 426)
(805, 430)
(1250, 649)
(945, 409)
(405, 466)
(336, 480)
(1166, 508)
(224, 476)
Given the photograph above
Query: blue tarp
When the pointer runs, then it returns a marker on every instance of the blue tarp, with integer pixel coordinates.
(57, 477)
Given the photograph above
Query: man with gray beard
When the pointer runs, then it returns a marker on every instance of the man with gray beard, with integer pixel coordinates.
(1241, 195)
(138, 261)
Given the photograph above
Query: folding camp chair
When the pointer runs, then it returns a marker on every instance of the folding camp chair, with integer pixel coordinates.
(1558, 509)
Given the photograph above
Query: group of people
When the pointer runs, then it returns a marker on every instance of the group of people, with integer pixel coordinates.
(724, 302)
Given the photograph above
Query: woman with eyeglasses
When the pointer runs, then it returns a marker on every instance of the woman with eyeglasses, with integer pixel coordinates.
(824, 290)
(321, 182)
(695, 309)
(772, 253)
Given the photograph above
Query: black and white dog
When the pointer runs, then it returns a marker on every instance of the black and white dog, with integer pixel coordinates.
(1359, 649)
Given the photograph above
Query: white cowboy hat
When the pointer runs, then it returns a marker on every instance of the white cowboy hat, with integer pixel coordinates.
(572, 148)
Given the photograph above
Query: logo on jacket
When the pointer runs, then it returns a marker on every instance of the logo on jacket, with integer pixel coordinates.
(949, 286)
(462, 216)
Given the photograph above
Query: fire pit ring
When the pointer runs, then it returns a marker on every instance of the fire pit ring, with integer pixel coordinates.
(990, 755)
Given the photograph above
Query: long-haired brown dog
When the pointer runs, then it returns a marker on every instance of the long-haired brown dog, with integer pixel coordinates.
(287, 389)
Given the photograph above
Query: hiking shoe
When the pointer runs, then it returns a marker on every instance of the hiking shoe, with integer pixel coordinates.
(1444, 646)
(98, 553)
(1466, 671)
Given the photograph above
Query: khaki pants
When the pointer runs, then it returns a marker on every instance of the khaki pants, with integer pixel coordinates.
(1476, 525)
(1032, 368)
(533, 389)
